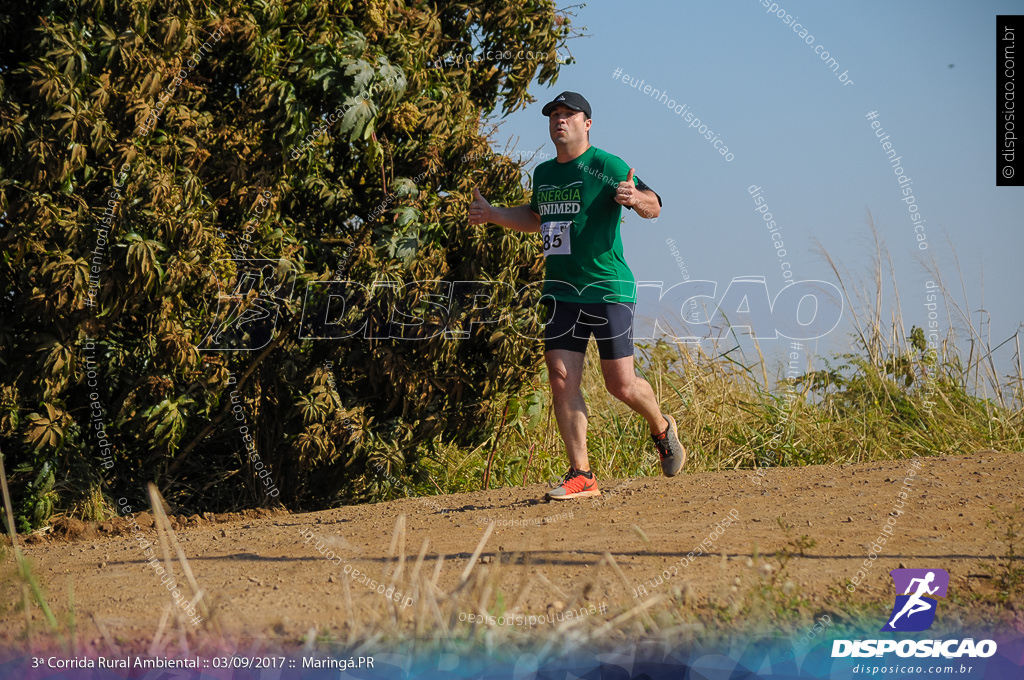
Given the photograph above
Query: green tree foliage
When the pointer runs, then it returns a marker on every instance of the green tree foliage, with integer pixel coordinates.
(173, 187)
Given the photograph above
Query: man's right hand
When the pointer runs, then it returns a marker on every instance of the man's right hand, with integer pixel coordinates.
(479, 209)
(520, 218)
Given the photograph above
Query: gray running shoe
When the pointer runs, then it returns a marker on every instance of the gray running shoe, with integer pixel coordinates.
(672, 453)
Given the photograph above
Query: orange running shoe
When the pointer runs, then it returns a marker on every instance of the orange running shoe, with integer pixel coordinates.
(575, 485)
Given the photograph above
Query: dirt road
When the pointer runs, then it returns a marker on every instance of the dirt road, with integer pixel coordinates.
(265, 578)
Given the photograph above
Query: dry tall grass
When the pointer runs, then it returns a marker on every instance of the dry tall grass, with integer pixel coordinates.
(891, 396)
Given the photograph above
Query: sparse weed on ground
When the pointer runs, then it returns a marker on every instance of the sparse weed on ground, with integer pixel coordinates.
(1008, 573)
(770, 600)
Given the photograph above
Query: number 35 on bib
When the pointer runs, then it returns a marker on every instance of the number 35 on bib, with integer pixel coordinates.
(556, 238)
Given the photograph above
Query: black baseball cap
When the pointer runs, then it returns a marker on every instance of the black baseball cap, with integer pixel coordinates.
(574, 100)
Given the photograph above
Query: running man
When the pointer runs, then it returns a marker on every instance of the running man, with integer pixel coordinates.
(914, 603)
(577, 207)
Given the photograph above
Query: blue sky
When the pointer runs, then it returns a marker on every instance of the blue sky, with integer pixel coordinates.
(802, 135)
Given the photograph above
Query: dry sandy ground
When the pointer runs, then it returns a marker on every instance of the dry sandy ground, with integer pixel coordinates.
(266, 582)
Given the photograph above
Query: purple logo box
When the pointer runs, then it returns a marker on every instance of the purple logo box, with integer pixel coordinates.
(902, 578)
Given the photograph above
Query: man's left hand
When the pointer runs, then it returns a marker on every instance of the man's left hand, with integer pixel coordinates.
(626, 193)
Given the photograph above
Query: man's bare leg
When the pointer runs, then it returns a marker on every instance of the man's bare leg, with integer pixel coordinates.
(624, 384)
(565, 373)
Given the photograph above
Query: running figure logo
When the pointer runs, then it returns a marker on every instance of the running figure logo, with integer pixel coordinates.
(914, 610)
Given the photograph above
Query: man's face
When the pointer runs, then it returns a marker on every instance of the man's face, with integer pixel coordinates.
(567, 126)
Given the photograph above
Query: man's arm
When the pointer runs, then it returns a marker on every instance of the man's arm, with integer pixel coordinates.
(520, 218)
(646, 204)
(644, 201)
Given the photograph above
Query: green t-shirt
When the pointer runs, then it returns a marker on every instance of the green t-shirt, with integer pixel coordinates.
(580, 228)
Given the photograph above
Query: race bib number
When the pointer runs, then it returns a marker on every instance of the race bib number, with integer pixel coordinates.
(556, 238)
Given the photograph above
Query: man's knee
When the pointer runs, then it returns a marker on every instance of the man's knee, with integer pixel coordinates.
(562, 379)
(621, 389)
(559, 384)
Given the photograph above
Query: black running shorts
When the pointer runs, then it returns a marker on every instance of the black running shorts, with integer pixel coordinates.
(570, 324)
